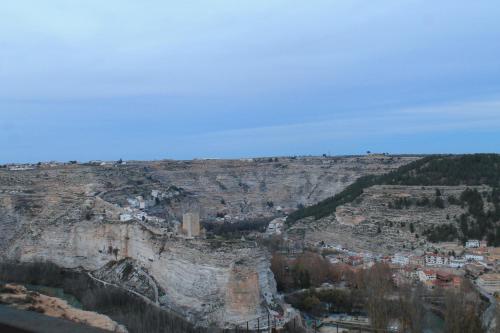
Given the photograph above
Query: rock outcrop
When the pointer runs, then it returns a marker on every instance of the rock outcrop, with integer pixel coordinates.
(19, 297)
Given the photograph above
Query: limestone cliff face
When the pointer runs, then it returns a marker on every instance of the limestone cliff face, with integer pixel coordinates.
(204, 281)
(69, 215)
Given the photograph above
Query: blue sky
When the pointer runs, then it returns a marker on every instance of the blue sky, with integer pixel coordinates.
(161, 79)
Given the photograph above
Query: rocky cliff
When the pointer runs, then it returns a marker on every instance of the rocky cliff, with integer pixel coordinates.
(208, 282)
(70, 215)
(389, 218)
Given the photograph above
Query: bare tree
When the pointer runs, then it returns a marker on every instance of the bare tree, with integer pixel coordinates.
(317, 267)
(410, 308)
(462, 313)
(278, 267)
(378, 285)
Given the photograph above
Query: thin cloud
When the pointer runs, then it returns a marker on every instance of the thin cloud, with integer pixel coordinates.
(475, 115)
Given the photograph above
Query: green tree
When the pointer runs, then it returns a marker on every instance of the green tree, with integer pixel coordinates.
(439, 202)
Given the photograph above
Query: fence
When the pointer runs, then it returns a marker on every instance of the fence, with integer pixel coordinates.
(269, 325)
(265, 323)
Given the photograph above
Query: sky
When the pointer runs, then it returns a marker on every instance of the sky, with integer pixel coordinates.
(102, 80)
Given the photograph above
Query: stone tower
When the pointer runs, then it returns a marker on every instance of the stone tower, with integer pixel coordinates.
(191, 224)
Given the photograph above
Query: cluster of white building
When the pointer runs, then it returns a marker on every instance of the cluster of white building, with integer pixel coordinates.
(435, 259)
(32, 166)
(138, 202)
(133, 213)
(400, 259)
(20, 167)
(136, 211)
(275, 227)
(473, 254)
(136, 208)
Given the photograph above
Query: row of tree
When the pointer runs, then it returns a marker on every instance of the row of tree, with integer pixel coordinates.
(235, 230)
(401, 203)
(307, 270)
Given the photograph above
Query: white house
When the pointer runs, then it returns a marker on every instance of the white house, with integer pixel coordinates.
(457, 262)
(432, 259)
(125, 217)
(133, 202)
(426, 275)
(474, 257)
(400, 259)
(472, 243)
(275, 226)
(141, 215)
